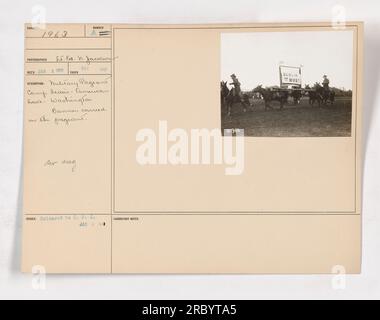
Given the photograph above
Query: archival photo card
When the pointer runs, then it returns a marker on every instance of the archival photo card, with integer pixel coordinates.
(288, 84)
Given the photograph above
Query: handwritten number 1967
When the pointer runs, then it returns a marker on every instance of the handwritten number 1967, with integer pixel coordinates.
(54, 34)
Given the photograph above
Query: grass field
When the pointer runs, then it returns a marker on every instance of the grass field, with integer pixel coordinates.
(302, 120)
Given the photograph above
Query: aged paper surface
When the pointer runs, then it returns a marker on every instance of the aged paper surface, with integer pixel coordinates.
(293, 205)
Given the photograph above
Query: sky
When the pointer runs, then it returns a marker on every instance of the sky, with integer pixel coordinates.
(255, 57)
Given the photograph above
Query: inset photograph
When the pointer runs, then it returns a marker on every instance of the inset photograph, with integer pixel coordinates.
(287, 84)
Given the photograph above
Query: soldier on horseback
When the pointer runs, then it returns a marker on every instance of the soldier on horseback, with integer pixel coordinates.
(234, 95)
(322, 93)
(326, 83)
(236, 91)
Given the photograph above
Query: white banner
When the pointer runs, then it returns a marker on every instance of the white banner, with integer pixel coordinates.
(290, 75)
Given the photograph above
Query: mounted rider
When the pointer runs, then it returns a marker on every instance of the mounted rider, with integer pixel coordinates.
(326, 83)
(236, 90)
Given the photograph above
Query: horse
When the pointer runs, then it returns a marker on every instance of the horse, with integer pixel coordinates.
(296, 94)
(228, 98)
(273, 95)
(224, 91)
(314, 96)
(328, 96)
(321, 95)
